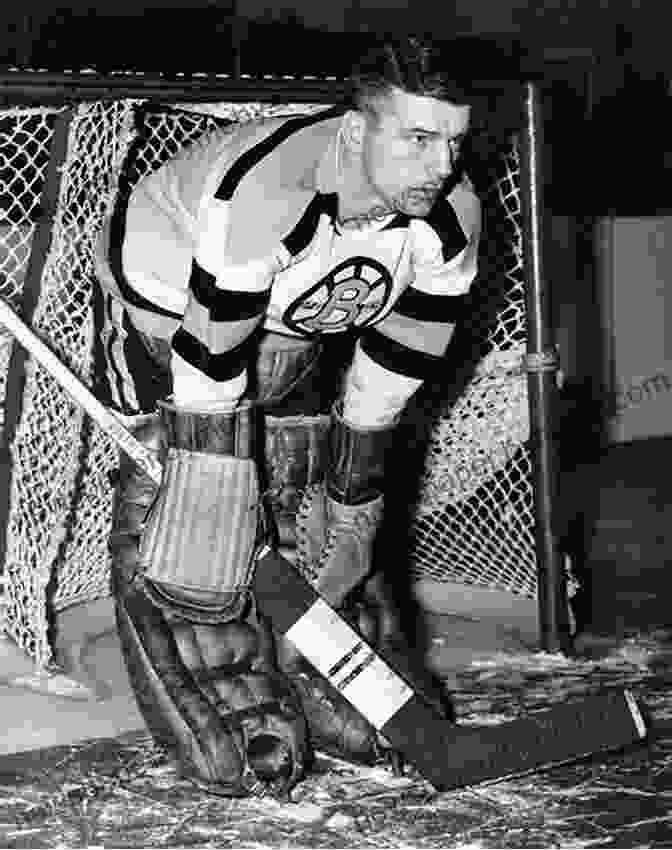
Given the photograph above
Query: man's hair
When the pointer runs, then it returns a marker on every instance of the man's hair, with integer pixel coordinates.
(411, 65)
(460, 71)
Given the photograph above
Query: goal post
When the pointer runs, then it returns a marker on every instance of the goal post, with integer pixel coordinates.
(68, 142)
(542, 368)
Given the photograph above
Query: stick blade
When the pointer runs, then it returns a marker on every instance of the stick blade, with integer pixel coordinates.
(458, 756)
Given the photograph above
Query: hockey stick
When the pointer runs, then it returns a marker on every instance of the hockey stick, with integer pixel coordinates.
(446, 754)
(80, 393)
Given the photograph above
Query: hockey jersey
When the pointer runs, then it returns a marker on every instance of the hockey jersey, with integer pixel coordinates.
(241, 230)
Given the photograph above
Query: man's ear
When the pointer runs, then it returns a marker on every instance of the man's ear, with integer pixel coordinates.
(353, 130)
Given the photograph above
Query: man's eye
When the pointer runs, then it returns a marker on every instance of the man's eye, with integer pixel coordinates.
(420, 140)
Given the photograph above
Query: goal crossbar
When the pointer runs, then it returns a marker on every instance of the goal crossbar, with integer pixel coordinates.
(48, 86)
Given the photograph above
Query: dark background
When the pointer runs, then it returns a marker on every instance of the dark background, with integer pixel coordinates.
(606, 65)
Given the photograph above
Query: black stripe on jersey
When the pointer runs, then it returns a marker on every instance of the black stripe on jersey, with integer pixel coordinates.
(398, 358)
(254, 155)
(225, 305)
(117, 236)
(444, 222)
(414, 304)
(304, 230)
(220, 367)
(400, 220)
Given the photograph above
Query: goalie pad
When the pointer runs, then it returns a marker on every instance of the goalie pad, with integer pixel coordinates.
(210, 696)
(200, 659)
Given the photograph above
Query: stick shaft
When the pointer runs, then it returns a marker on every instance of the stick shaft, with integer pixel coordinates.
(80, 393)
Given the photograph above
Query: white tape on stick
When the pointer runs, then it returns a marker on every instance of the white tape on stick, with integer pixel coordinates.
(352, 667)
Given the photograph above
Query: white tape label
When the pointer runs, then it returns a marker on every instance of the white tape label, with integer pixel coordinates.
(349, 663)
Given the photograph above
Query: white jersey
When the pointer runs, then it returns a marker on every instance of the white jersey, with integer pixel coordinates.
(241, 230)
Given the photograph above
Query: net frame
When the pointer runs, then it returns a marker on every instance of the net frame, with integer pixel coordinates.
(35, 585)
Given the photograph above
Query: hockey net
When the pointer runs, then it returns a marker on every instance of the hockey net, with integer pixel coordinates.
(474, 519)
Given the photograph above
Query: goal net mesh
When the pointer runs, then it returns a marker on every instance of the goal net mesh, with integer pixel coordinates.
(473, 523)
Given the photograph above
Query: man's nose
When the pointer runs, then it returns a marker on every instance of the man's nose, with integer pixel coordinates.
(442, 161)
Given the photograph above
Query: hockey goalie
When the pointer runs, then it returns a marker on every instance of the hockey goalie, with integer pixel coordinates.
(228, 279)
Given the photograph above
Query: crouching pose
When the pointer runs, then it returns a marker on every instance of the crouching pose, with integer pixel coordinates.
(226, 278)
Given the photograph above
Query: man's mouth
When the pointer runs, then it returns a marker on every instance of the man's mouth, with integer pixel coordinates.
(428, 193)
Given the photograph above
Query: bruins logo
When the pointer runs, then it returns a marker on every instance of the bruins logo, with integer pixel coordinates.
(353, 293)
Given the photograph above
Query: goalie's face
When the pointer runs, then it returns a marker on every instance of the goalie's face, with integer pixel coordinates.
(408, 146)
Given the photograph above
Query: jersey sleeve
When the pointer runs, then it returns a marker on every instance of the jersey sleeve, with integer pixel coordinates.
(413, 337)
(235, 259)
